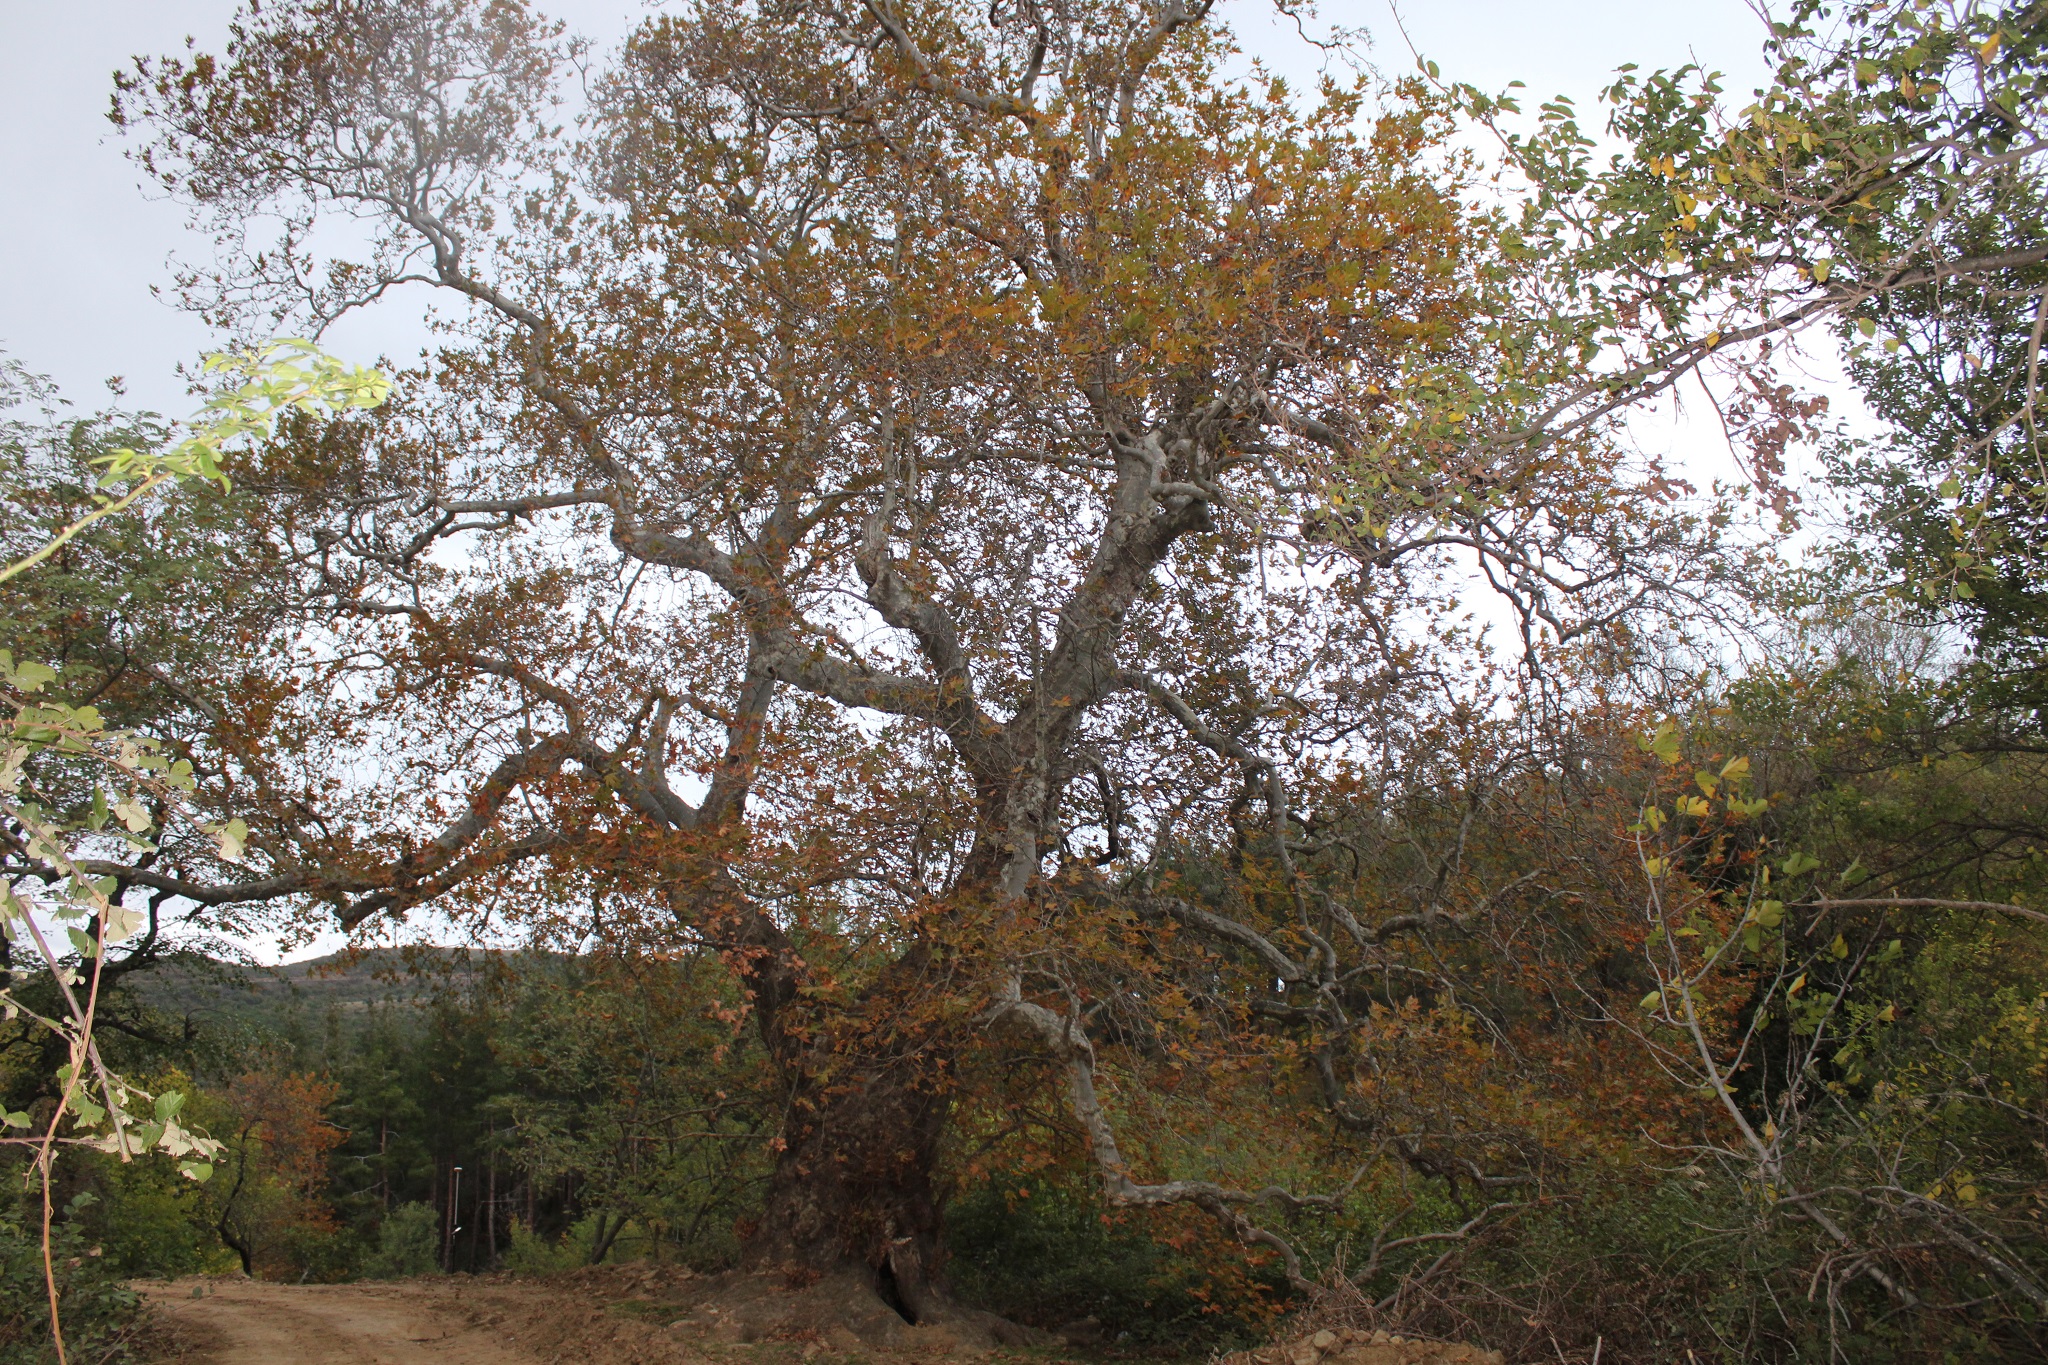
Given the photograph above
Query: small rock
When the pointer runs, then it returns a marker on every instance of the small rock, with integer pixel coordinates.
(1323, 1341)
(1304, 1354)
(1380, 1338)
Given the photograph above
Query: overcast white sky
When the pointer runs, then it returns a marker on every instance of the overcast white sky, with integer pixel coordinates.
(82, 244)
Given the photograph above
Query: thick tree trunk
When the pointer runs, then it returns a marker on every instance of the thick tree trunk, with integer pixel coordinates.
(852, 1186)
(851, 1222)
(851, 1212)
(851, 1191)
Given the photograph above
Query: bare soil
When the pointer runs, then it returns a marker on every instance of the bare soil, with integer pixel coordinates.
(248, 1322)
(1356, 1346)
(624, 1315)
(627, 1315)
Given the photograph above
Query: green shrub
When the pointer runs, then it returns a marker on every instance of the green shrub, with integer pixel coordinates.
(532, 1254)
(150, 1220)
(1055, 1255)
(99, 1312)
(408, 1244)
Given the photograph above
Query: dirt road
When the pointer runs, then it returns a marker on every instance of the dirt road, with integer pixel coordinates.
(248, 1322)
(611, 1315)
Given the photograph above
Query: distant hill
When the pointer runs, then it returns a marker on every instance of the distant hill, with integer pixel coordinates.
(347, 983)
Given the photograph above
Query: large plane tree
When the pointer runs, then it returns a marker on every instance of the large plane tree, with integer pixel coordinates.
(899, 477)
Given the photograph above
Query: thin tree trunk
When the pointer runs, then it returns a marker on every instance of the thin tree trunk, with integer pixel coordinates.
(601, 1246)
(224, 1225)
(491, 1206)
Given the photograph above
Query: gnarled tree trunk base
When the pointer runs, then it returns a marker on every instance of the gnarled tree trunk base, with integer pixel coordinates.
(852, 1307)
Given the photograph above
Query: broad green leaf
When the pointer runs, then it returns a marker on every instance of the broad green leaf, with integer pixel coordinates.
(1798, 864)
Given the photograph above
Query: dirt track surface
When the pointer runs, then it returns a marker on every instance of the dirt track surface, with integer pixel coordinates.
(612, 1315)
(627, 1315)
(248, 1322)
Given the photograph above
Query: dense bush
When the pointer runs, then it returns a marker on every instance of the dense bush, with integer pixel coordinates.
(1051, 1254)
(408, 1244)
(100, 1313)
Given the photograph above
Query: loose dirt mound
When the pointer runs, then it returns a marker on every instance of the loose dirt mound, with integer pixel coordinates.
(1351, 1346)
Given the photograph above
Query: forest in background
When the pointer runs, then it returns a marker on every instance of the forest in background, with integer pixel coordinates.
(1074, 678)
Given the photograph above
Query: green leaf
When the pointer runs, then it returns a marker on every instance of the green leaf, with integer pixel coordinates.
(1798, 865)
(233, 838)
(134, 815)
(29, 676)
(1664, 743)
(123, 921)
